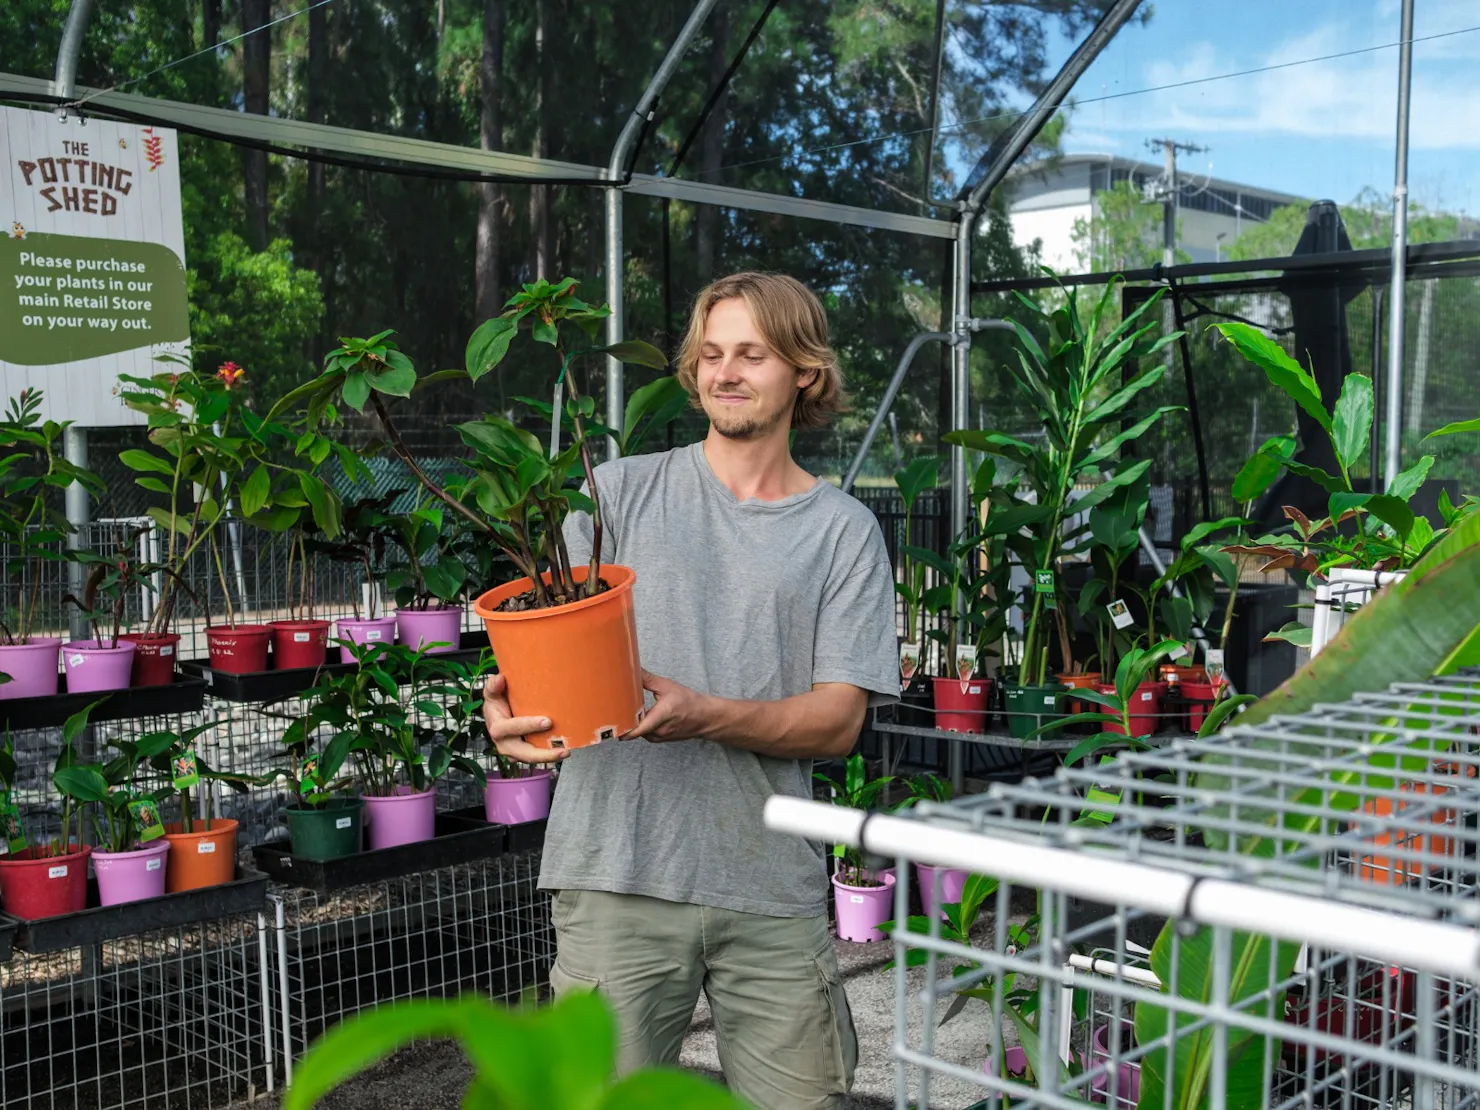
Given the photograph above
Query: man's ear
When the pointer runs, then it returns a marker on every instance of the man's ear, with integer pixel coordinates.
(805, 378)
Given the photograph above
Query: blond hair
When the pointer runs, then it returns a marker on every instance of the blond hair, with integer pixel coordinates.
(791, 320)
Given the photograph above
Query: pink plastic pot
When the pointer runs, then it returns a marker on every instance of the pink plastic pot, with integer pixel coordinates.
(404, 817)
(91, 667)
(1145, 708)
(961, 710)
(862, 909)
(32, 668)
(381, 630)
(418, 627)
(952, 883)
(1016, 1061)
(514, 801)
(1128, 1076)
(131, 876)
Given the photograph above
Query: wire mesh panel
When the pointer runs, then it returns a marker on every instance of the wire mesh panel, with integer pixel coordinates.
(475, 927)
(1283, 915)
(171, 1019)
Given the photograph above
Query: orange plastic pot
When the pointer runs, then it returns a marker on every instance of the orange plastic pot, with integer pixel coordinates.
(575, 664)
(200, 858)
(1089, 680)
(1396, 870)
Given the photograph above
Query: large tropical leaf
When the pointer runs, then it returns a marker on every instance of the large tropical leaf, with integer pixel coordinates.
(1351, 422)
(1282, 371)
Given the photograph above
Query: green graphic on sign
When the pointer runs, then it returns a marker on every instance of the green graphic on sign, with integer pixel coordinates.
(64, 298)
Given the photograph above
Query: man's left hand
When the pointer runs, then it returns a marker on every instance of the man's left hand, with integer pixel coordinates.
(678, 713)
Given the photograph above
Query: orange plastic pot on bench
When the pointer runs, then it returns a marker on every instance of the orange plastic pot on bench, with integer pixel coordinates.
(575, 664)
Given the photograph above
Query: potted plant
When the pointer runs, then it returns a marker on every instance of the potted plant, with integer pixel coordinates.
(368, 531)
(1127, 710)
(951, 880)
(917, 693)
(131, 849)
(198, 426)
(202, 845)
(32, 530)
(555, 621)
(1074, 385)
(325, 820)
(429, 586)
(1113, 537)
(106, 662)
(50, 877)
(369, 716)
(860, 896)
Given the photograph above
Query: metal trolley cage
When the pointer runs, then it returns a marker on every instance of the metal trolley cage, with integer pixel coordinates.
(1289, 908)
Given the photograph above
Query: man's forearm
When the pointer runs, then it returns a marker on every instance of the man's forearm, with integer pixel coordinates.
(821, 724)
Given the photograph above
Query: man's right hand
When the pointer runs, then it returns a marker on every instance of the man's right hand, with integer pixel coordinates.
(507, 731)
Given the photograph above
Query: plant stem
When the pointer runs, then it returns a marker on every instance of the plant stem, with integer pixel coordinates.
(593, 574)
(225, 591)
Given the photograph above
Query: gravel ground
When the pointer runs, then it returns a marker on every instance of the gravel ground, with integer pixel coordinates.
(433, 1076)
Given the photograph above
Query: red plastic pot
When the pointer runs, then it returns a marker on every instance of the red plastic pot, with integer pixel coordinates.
(237, 649)
(961, 707)
(154, 657)
(298, 644)
(1200, 697)
(1145, 708)
(34, 886)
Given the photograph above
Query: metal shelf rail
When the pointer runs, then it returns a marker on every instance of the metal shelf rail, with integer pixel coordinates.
(1307, 888)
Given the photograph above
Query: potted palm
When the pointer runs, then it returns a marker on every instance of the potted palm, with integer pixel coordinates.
(556, 619)
(32, 531)
(861, 897)
(1075, 386)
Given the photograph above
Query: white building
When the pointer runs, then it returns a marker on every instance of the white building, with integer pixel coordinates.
(1049, 198)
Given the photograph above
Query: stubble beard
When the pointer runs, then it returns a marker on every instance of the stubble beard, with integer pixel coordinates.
(744, 427)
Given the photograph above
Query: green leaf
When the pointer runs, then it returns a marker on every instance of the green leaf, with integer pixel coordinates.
(1392, 511)
(1282, 371)
(168, 520)
(1351, 425)
(488, 345)
(1221, 711)
(1291, 632)
(324, 503)
(83, 783)
(1259, 473)
(143, 461)
(545, 331)
(255, 491)
(638, 353)
(1456, 428)
(1120, 478)
(1407, 483)
(396, 379)
(921, 474)
(1107, 450)
(1328, 482)
(356, 390)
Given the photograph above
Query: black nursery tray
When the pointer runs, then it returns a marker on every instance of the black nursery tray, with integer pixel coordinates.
(247, 893)
(185, 694)
(264, 686)
(523, 837)
(7, 939)
(457, 840)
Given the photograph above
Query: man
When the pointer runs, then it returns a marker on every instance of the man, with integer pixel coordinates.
(765, 621)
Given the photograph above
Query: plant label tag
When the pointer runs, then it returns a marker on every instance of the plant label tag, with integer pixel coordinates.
(1181, 651)
(1214, 665)
(10, 820)
(300, 637)
(1050, 700)
(856, 899)
(1043, 584)
(1101, 798)
(146, 817)
(965, 665)
(76, 660)
(1120, 614)
(153, 864)
(372, 634)
(184, 771)
(909, 663)
(1147, 695)
(167, 650)
(309, 775)
(205, 847)
(60, 872)
(343, 822)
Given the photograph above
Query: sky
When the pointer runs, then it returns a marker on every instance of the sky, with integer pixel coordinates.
(1315, 128)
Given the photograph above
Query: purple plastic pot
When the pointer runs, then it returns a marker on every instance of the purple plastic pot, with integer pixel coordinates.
(131, 876)
(514, 801)
(417, 627)
(952, 883)
(32, 668)
(1016, 1060)
(862, 909)
(381, 630)
(401, 818)
(90, 667)
(1128, 1081)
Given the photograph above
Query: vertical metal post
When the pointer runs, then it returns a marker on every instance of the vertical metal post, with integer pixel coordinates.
(1393, 460)
(75, 502)
(616, 171)
(960, 417)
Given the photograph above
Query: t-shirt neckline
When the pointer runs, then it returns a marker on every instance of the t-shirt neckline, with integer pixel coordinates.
(701, 463)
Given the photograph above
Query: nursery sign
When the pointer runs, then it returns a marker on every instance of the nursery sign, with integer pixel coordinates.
(92, 260)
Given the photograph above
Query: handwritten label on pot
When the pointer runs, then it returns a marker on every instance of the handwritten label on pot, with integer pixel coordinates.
(152, 864)
(300, 637)
(57, 872)
(205, 847)
(856, 898)
(76, 660)
(343, 822)
(373, 634)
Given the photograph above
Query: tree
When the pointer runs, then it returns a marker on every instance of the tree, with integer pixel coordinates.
(1124, 232)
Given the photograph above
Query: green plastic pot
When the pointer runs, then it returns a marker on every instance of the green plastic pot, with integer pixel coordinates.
(329, 832)
(1032, 707)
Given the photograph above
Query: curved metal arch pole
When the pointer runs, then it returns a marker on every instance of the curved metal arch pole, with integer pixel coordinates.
(1393, 439)
(615, 172)
(890, 393)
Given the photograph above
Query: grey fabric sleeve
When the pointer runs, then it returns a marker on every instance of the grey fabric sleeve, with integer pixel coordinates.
(856, 641)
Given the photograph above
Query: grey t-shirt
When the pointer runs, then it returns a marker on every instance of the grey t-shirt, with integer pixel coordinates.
(739, 599)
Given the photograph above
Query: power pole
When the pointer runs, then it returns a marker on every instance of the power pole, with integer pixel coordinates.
(1167, 189)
